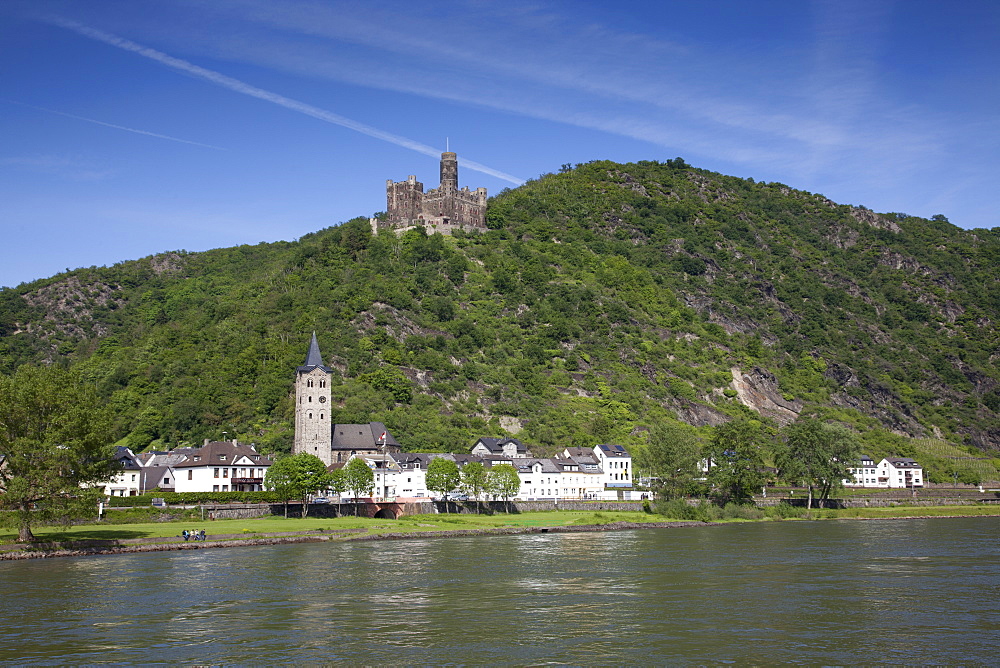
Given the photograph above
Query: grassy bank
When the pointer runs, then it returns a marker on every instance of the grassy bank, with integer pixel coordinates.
(435, 523)
(277, 524)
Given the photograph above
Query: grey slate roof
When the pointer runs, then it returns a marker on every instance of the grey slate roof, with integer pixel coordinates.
(613, 450)
(903, 462)
(313, 358)
(127, 459)
(222, 453)
(495, 445)
(360, 436)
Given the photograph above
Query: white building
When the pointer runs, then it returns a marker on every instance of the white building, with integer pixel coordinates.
(129, 481)
(616, 462)
(500, 447)
(222, 466)
(217, 466)
(890, 473)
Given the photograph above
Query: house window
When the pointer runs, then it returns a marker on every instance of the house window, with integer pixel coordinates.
(216, 472)
(215, 488)
(225, 473)
(190, 474)
(133, 477)
(166, 481)
(222, 458)
(225, 488)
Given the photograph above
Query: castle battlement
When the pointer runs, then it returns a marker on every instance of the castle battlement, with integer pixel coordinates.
(440, 209)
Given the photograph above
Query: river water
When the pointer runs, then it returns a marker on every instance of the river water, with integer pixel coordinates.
(834, 592)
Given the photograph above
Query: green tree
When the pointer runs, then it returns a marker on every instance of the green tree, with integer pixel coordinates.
(817, 453)
(670, 458)
(736, 459)
(338, 481)
(474, 480)
(359, 478)
(297, 476)
(55, 445)
(503, 481)
(442, 477)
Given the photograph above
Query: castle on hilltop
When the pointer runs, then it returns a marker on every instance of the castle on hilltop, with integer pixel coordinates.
(441, 209)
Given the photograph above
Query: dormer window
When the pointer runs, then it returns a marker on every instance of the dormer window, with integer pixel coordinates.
(222, 458)
(197, 458)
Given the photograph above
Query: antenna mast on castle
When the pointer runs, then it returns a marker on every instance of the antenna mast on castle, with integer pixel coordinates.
(447, 147)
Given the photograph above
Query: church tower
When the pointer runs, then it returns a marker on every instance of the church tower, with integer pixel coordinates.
(313, 431)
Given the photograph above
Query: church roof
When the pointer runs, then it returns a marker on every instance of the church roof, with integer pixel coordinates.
(313, 358)
(361, 436)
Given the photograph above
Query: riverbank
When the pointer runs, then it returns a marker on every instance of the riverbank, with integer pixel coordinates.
(123, 539)
(130, 546)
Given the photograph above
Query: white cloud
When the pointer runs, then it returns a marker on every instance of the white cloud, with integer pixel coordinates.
(280, 100)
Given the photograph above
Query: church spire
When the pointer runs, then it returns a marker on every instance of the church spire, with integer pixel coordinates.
(313, 358)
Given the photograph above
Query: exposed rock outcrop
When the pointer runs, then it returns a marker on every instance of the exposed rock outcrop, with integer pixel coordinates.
(759, 391)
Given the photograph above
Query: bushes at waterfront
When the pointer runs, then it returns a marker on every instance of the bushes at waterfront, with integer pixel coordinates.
(706, 511)
(194, 498)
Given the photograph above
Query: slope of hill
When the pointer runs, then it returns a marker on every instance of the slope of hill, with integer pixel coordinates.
(603, 298)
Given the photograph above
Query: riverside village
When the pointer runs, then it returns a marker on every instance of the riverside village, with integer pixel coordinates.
(603, 472)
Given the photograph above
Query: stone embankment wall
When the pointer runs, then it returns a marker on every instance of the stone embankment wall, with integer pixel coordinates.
(939, 497)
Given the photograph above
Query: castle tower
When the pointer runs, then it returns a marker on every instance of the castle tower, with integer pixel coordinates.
(440, 209)
(449, 172)
(313, 431)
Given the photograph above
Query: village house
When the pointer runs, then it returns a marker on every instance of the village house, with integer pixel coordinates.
(217, 466)
(221, 466)
(505, 447)
(128, 482)
(890, 473)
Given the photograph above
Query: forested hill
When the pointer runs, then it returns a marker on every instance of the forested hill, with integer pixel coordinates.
(603, 299)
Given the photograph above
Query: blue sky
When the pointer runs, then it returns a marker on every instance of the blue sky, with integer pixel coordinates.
(131, 127)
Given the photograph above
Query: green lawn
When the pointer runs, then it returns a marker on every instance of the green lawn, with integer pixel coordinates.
(427, 523)
(277, 524)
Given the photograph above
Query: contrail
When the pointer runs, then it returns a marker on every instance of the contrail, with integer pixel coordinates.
(119, 127)
(245, 88)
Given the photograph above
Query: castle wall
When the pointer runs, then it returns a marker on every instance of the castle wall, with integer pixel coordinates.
(441, 209)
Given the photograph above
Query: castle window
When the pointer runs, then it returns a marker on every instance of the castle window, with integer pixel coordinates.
(310, 416)
(310, 399)
(320, 416)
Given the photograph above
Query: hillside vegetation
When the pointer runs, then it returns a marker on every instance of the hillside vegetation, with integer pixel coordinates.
(603, 299)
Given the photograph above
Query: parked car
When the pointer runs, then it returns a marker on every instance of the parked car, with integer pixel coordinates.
(457, 496)
(321, 499)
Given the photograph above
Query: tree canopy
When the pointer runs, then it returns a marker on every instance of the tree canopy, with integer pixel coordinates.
(670, 458)
(297, 476)
(443, 476)
(359, 478)
(817, 453)
(474, 480)
(736, 459)
(56, 446)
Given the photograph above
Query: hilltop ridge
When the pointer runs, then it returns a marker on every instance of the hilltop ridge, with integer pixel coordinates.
(601, 299)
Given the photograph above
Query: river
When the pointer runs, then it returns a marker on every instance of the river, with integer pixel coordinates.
(834, 592)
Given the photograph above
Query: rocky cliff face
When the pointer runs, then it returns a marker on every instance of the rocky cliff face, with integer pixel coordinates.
(758, 390)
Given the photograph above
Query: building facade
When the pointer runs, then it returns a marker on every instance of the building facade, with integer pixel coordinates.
(442, 209)
(890, 473)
